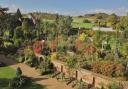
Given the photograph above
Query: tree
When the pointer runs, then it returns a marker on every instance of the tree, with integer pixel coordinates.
(86, 21)
(38, 28)
(25, 28)
(18, 13)
(123, 23)
(112, 19)
(67, 24)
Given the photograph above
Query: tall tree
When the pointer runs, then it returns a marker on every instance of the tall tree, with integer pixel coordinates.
(18, 13)
(25, 28)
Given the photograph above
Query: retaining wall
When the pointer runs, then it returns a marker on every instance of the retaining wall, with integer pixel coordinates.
(90, 77)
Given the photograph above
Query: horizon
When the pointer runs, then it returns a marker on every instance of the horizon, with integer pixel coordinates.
(73, 8)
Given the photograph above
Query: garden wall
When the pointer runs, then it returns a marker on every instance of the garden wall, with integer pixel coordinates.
(89, 77)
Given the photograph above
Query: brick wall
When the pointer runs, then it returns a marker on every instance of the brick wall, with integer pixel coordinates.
(89, 76)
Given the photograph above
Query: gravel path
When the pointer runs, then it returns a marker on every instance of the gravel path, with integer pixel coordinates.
(50, 83)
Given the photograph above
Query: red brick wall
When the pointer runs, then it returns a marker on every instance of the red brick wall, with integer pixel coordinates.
(88, 76)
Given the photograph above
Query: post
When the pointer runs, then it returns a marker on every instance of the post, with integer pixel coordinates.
(93, 82)
(61, 68)
(76, 76)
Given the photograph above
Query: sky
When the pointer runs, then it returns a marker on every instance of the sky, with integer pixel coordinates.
(68, 7)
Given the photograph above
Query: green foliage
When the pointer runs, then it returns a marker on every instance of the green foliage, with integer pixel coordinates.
(71, 62)
(25, 28)
(45, 66)
(112, 19)
(86, 21)
(19, 82)
(114, 85)
(18, 72)
(29, 57)
(82, 25)
(54, 56)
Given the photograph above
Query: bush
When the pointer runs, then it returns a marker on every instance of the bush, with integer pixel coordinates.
(2, 64)
(114, 86)
(30, 57)
(86, 21)
(108, 68)
(54, 56)
(32, 61)
(10, 49)
(45, 66)
(19, 82)
(20, 59)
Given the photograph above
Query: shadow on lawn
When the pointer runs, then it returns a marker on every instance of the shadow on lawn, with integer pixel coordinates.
(4, 82)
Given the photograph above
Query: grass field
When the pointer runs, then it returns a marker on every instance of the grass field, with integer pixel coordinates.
(7, 73)
(82, 25)
(77, 23)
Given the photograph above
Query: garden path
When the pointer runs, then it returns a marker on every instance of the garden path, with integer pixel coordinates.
(50, 83)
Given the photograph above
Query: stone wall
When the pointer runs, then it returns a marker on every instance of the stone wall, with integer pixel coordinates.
(88, 76)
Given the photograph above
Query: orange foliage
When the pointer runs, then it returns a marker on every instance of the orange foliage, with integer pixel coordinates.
(90, 50)
(53, 45)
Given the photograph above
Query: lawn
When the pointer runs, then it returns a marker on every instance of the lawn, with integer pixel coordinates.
(78, 19)
(82, 25)
(7, 73)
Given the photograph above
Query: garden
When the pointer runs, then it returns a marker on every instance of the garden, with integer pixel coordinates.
(23, 39)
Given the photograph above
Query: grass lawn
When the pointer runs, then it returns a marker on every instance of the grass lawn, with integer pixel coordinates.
(82, 25)
(78, 19)
(7, 73)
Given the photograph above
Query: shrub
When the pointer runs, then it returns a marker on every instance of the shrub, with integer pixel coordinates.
(45, 66)
(79, 45)
(119, 70)
(86, 21)
(46, 51)
(32, 61)
(82, 37)
(20, 59)
(54, 56)
(108, 68)
(11, 49)
(18, 72)
(19, 82)
(71, 62)
(109, 56)
(2, 64)
(53, 45)
(114, 85)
